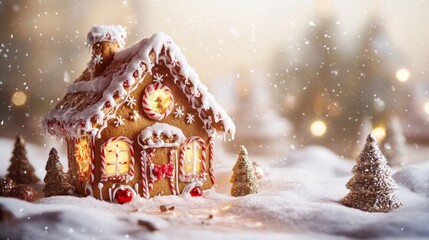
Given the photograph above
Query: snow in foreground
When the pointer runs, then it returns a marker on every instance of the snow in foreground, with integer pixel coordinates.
(298, 198)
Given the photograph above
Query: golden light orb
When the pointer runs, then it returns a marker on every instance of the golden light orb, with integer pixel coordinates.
(403, 75)
(19, 98)
(426, 108)
(318, 128)
(379, 133)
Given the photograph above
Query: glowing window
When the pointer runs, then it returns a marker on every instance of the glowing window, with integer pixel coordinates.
(192, 160)
(117, 155)
(82, 155)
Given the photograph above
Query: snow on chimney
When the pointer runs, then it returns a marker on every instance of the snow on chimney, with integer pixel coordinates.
(105, 41)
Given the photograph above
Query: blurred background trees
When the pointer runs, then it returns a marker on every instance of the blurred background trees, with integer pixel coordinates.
(323, 71)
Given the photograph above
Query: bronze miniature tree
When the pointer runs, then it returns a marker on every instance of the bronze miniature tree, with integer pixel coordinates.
(371, 187)
(20, 170)
(244, 180)
(55, 179)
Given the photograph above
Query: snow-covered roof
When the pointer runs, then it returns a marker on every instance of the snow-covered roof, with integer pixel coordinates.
(91, 102)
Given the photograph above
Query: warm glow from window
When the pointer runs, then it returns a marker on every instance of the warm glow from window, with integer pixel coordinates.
(379, 133)
(402, 75)
(193, 155)
(83, 156)
(160, 100)
(318, 128)
(117, 158)
(19, 98)
(426, 108)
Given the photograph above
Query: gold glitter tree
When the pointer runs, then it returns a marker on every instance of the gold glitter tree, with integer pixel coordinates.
(371, 187)
(244, 180)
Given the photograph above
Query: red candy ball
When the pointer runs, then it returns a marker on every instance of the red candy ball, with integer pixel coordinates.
(124, 196)
(196, 192)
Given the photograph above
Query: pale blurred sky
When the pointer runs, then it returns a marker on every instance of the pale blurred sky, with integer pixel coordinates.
(220, 37)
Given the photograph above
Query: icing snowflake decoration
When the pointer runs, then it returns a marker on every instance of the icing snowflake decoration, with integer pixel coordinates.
(131, 102)
(98, 59)
(134, 116)
(190, 118)
(119, 121)
(158, 78)
(179, 112)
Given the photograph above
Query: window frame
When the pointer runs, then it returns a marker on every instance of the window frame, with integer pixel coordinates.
(83, 175)
(120, 177)
(193, 176)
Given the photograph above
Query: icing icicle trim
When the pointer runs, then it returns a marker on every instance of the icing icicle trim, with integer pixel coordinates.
(136, 61)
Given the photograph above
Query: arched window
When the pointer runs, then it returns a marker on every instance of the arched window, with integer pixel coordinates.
(82, 154)
(193, 159)
(117, 159)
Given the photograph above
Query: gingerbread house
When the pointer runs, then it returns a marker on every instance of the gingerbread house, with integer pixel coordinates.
(138, 121)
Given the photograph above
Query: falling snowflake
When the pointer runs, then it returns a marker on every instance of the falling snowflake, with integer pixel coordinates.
(179, 112)
(119, 121)
(134, 116)
(190, 118)
(195, 92)
(98, 59)
(131, 102)
(158, 78)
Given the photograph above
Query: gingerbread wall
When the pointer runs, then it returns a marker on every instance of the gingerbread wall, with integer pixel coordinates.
(131, 129)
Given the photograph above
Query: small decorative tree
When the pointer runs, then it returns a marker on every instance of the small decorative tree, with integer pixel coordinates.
(20, 170)
(243, 179)
(55, 179)
(371, 187)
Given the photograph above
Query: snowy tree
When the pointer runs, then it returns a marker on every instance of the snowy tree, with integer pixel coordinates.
(244, 180)
(21, 171)
(55, 179)
(376, 91)
(259, 126)
(371, 187)
(393, 145)
(318, 73)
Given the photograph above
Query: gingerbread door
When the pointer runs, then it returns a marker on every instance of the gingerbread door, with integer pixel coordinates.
(160, 145)
(159, 175)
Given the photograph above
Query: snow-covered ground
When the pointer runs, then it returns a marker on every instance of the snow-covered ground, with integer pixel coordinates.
(298, 199)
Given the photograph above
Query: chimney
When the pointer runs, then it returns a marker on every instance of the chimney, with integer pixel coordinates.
(105, 41)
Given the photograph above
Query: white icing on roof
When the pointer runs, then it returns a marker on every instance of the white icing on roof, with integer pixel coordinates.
(107, 33)
(71, 121)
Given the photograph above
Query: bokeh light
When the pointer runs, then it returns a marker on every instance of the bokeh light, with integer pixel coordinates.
(403, 75)
(318, 128)
(379, 133)
(426, 107)
(19, 98)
